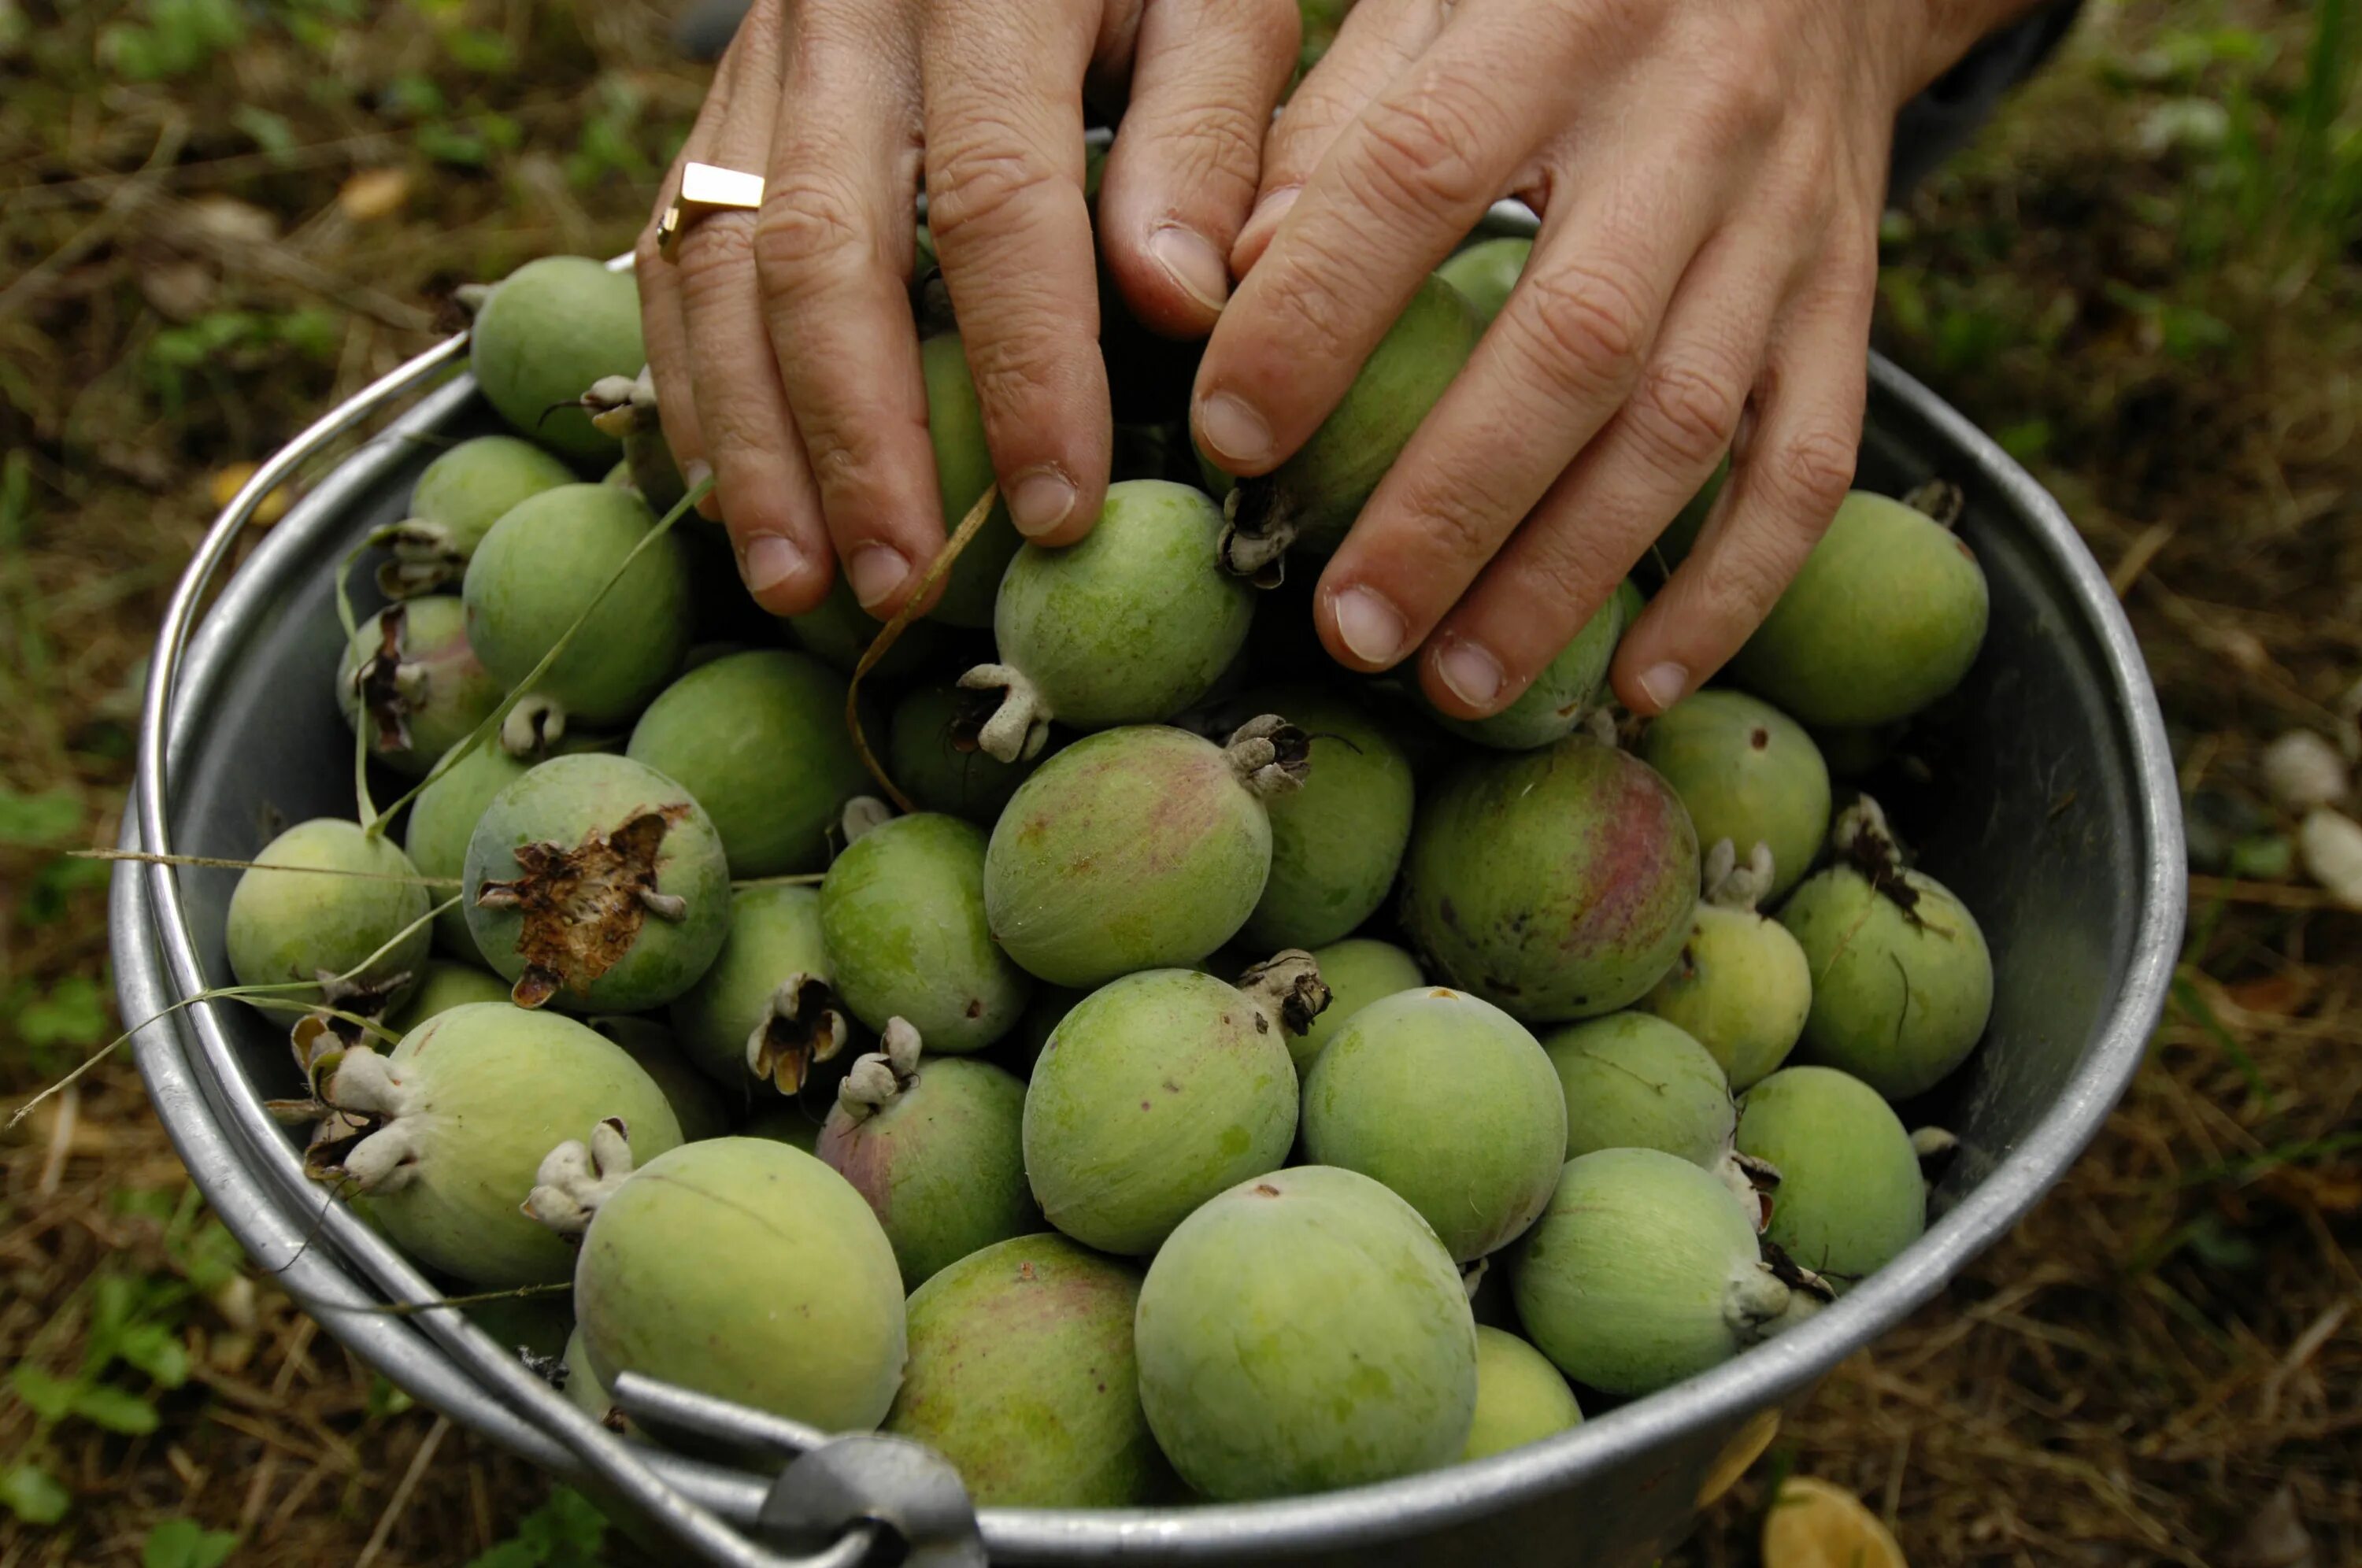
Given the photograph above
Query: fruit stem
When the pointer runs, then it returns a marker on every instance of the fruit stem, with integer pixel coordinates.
(1288, 988)
(1939, 499)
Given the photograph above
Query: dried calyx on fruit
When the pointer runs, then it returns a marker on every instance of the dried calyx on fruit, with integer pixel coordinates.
(440, 1134)
(1741, 987)
(935, 1149)
(598, 881)
(763, 1015)
(1902, 980)
(457, 499)
(1130, 625)
(1137, 849)
(409, 675)
(625, 408)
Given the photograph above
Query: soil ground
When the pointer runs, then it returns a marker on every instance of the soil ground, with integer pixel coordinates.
(218, 217)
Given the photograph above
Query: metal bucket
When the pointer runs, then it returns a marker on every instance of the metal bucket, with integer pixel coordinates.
(2055, 815)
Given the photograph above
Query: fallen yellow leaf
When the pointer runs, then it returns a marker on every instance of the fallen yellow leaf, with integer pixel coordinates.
(374, 194)
(1814, 1524)
(227, 481)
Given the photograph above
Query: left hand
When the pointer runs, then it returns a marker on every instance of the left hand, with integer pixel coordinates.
(1709, 175)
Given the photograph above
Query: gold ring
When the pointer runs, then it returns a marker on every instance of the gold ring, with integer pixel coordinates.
(705, 188)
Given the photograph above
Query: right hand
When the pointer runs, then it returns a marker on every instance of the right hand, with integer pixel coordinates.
(784, 350)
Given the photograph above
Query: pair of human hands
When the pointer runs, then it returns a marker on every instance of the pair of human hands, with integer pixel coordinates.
(1709, 175)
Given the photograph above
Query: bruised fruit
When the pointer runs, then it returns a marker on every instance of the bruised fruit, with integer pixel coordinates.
(1643, 1271)
(1747, 772)
(1448, 1101)
(444, 817)
(1137, 849)
(1022, 1374)
(901, 912)
(457, 499)
(935, 1148)
(838, 630)
(409, 675)
(962, 468)
(1634, 1081)
(1520, 1397)
(325, 900)
(1301, 1332)
(1129, 625)
(1562, 696)
(1309, 501)
(1902, 981)
(1337, 841)
(764, 1014)
(1741, 986)
(758, 739)
(1159, 1090)
(1357, 971)
(597, 882)
(696, 1104)
(1487, 271)
(1885, 616)
(541, 573)
(797, 1310)
(444, 985)
(441, 1136)
(1851, 1196)
(926, 757)
(1555, 884)
(549, 330)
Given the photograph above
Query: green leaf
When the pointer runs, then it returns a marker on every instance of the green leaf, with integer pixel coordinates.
(507, 1554)
(33, 1495)
(156, 1351)
(73, 1013)
(569, 1529)
(479, 50)
(185, 1543)
(269, 132)
(116, 1409)
(53, 886)
(39, 822)
(385, 1399)
(50, 1398)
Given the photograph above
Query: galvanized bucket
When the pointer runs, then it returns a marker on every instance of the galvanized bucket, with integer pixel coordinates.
(2055, 815)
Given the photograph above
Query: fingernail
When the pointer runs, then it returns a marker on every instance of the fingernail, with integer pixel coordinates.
(1664, 684)
(1233, 429)
(769, 560)
(695, 472)
(876, 571)
(1472, 672)
(1040, 501)
(1190, 260)
(1371, 628)
(1274, 205)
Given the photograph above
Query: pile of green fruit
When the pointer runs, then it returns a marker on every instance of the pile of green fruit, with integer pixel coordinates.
(1233, 1081)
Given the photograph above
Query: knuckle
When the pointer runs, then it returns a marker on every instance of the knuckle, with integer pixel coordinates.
(717, 257)
(1013, 369)
(808, 222)
(1582, 326)
(1419, 143)
(1812, 468)
(1302, 299)
(1686, 414)
(983, 184)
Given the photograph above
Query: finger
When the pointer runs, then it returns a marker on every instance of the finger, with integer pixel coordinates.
(1792, 465)
(661, 321)
(1400, 186)
(1181, 176)
(1595, 520)
(1004, 139)
(1379, 39)
(760, 477)
(1553, 369)
(834, 249)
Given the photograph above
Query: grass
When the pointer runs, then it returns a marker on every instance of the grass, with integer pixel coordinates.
(216, 216)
